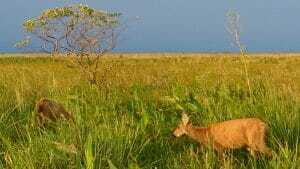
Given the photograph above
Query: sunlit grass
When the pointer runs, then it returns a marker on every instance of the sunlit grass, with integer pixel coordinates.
(126, 122)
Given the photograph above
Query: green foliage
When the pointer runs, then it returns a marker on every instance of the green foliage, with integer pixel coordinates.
(23, 43)
(29, 25)
(74, 14)
(57, 13)
(89, 158)
(129, 124)
(86, 10)
(111, 165)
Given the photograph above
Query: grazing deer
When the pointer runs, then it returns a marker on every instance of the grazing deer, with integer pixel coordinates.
(51, 110)
(232, 134)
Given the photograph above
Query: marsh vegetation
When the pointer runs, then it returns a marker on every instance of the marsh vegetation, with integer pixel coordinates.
(127, 120)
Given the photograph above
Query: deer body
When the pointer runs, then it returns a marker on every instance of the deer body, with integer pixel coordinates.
(51, 110)
(233, 134)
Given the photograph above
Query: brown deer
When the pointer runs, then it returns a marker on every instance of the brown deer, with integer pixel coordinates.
(232, 134)
(51, 110)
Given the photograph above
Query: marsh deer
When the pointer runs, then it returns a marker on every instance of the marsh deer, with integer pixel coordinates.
(51, 110)
(232, 134)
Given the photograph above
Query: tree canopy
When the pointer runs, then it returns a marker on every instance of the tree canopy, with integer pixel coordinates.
(76, 28)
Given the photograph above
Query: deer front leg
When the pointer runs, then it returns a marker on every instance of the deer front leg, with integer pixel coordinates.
(199, 148)
(252, 152)
(221, 155)
(40, 120)
(220, 151)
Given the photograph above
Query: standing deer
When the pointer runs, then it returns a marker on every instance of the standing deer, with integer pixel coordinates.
(232, 134)
(51, 110)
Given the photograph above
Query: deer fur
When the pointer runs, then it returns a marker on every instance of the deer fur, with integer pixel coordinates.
(233, 134)
(51, 110)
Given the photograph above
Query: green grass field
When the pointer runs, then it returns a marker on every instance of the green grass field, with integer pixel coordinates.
(127, 121)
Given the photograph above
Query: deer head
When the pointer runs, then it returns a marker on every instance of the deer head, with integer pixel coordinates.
(181, 128)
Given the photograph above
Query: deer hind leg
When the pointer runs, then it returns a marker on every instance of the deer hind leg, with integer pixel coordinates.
(261, 148)
(259, 145)
(262, 144)
(265, 150)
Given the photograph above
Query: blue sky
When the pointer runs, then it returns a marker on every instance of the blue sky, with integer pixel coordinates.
(178, 25)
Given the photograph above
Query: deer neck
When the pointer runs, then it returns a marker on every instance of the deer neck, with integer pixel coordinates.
(200, 134)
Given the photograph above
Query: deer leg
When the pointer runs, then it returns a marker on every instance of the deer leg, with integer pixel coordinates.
(220, 151)
(265, 150)
(221, 155)
(199, 148)
(260, 146)
(252, 152)
(40, 120)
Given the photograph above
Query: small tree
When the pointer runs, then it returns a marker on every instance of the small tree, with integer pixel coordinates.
(84, 32)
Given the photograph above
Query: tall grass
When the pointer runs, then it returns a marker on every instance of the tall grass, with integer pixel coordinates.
(127, 121)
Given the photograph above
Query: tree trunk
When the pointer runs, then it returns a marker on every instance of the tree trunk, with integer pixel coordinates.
(56, 47)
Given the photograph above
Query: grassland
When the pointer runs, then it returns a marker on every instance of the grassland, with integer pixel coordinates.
(126, 122)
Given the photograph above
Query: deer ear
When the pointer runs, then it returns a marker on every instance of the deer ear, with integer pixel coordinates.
(185, 118)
